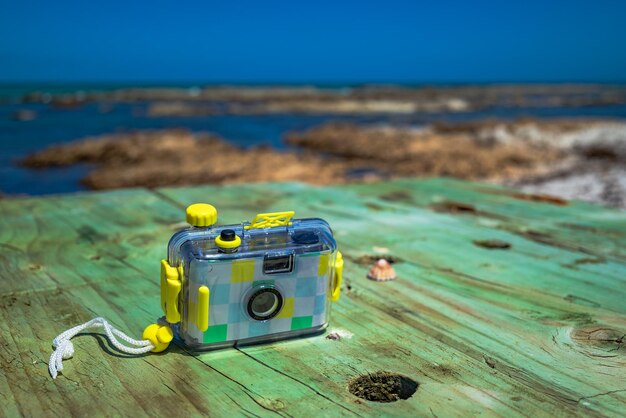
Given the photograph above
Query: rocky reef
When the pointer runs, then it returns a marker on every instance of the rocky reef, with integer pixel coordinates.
(406, 152)
(531, 154)
(177, 157)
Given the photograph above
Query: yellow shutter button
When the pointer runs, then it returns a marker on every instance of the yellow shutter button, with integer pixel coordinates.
(201, 215)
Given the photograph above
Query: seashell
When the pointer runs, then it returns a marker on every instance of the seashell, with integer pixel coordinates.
(333, 336)
(381, 271)
(338, 334)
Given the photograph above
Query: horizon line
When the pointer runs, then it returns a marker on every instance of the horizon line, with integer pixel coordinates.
(194, 83)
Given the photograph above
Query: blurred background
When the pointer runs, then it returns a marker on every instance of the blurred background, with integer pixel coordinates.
(529, 94)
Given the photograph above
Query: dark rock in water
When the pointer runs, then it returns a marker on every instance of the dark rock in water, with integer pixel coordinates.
(24, 115)
(68, 101)
(181, 109)
(37, 97)
(105, 108)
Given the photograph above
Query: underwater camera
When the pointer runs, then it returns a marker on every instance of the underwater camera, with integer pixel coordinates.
(265, 280)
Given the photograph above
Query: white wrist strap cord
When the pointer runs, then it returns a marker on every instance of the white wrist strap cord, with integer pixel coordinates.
(64, 349)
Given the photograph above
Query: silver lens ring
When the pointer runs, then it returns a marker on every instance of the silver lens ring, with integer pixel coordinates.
(264, 303)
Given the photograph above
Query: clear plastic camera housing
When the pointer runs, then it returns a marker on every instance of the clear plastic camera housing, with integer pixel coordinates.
(276, 284)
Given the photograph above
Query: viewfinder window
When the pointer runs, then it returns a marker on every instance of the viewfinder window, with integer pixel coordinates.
(275, 264)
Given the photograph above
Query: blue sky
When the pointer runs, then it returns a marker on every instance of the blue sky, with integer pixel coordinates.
(289, 41)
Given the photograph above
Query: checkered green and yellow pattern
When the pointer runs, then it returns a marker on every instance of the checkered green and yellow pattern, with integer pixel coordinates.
(305, 292)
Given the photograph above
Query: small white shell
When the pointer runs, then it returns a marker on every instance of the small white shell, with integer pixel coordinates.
(381, 271)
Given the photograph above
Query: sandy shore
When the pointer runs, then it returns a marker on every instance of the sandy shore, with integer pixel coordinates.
(568, 158)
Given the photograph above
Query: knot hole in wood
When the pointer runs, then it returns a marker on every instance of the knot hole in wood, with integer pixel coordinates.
(383, 387)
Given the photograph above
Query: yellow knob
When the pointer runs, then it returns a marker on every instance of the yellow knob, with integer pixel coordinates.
(201, 214)
(159, 335)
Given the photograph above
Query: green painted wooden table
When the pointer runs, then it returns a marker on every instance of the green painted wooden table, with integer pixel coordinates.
(533, 329)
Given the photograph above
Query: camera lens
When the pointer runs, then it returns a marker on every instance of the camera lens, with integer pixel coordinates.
(265, 304)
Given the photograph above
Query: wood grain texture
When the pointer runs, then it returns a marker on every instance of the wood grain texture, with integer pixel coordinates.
(533, 329)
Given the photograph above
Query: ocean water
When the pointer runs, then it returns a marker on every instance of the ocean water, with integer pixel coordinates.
(55, 126)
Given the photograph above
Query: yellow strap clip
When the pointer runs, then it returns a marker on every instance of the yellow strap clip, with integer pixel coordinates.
(270, 220)
(170, 290)
(338, 277)
(159, 335)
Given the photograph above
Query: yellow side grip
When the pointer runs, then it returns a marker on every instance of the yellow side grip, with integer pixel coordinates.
(167, 273)
(163, 288)
(203, 308)
(171, 305)
(270, 220)
(170, 290)
(338, 277)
